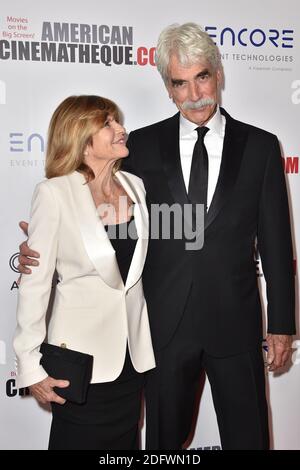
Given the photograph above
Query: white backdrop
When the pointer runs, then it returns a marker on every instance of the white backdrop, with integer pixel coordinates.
(260, 45)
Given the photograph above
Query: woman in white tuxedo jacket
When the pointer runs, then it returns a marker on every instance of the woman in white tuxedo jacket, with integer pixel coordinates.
(99, 305)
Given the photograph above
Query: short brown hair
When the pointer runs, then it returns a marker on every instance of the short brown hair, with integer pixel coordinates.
(71, 129)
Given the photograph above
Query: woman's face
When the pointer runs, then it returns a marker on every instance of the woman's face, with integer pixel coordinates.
(109, 143)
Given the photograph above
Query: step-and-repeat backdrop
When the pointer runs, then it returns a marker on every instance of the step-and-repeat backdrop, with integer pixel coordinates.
(49, 50)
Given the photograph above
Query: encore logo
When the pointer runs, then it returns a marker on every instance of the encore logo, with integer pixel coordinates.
(257, 37)
(18, 142)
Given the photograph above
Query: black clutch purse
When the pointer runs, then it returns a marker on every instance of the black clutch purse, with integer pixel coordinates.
(66, 364)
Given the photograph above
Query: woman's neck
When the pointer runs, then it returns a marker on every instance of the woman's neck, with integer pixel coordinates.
(104, 178)
(104, 188)
(108, 195)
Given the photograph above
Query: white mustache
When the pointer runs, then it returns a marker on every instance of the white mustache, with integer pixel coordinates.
(197, 104)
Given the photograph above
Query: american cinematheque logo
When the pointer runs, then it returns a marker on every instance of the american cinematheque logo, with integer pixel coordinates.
(72, 43)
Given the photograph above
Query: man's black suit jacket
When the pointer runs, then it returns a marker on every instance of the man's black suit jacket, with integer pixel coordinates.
(250, 203)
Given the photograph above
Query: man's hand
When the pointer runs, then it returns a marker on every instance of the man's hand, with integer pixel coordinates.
(279, 350)
(26, 254)
(43, 391)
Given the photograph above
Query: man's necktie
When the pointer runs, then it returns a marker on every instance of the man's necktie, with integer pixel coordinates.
(197, 191)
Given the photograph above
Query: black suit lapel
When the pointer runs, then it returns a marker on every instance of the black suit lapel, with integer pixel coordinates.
(233, 148)
(169, 143)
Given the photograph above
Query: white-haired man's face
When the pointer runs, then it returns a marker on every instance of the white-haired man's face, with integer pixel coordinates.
(194, 89)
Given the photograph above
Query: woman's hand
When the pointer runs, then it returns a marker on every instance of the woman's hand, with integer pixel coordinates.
(43, 391)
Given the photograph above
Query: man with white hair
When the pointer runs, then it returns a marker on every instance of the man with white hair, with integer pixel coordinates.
(204, 305)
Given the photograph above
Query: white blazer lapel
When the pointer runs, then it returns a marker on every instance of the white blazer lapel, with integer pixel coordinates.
(94, 235)
(142, 227)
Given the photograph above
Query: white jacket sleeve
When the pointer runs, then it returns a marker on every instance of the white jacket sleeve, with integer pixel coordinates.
(35, 288)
